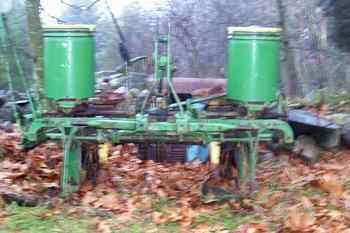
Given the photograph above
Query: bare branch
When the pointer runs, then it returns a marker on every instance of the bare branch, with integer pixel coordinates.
(81, 8)
(42, 9)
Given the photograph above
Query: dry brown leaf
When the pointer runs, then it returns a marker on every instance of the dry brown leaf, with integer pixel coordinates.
(109, 201)
(259, 227)
(241, 229)
(161, 193)
(18, 175)
(307, 204)
(50, 185)
(7, 164)
(202, 228)
(140, 202)
(330, 183)
(335, 167)
(88, 199)
(273, 200)
(299, 220)
(104, 227)
(252, 230)
(158, 218)
(188, 214)
(173, 215)
(183, 184)
(86, 187)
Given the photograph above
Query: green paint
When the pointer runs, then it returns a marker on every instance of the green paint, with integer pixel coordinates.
(191, 128)
(69, 64)
(253, 67)
(70, 177)
(252, 161)
(139, 128)
(69, 77)
(240, 156)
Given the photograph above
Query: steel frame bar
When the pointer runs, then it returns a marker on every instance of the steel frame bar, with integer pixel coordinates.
(184, 128)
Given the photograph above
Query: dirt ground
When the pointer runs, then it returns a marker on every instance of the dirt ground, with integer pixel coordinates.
(143, 196)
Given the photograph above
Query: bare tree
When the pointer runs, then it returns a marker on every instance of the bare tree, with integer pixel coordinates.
(35, 34)
(289, 68)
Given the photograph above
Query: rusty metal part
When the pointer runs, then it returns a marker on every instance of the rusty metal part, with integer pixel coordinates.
(159, 152)
(90, 161)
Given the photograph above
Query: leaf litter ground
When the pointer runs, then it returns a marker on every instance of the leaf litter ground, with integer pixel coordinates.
(143, 196)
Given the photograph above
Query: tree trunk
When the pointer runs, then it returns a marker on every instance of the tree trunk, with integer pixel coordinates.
(35, 34)
(347, 74)
(300, 72)
(318, 28)
(288, 66)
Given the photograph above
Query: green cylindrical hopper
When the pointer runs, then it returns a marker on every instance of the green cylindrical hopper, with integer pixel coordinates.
(253, 64)
(69, 62)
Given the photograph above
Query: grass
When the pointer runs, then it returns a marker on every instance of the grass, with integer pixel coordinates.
(229, 220)
(310, 191)
(160, 204)
(171, 227)
(139, 226)
(332, 207)
(347, 185)
(40, 220)
(133, 228)
(2, 153)
(273, 185)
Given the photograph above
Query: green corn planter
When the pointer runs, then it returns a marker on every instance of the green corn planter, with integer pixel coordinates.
(69, 62)
(253, 64)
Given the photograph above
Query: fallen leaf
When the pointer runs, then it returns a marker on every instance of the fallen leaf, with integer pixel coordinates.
(307, 204)
(335, 167)
(299, 220)
(50, 185)
(88, 199)
(252, 230)
(158, 218)
(188, 214)
(109, 201)
(330, 183)
(273, 200)
(161, 193)
(104, 227)
(202, 228)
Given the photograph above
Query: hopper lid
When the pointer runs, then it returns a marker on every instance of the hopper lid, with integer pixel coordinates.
(256, 29)
(70, 27)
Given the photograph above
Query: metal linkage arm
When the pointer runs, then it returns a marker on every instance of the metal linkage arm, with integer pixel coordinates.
(202, 129)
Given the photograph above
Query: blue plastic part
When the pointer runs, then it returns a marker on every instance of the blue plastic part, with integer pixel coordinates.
(199, 152)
